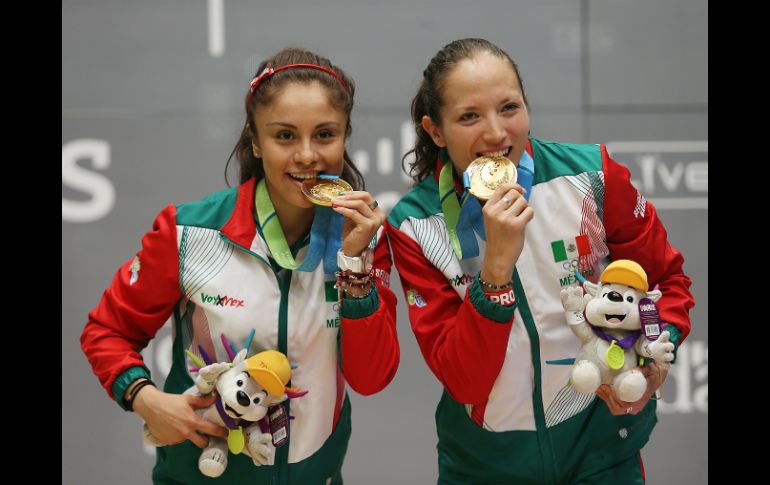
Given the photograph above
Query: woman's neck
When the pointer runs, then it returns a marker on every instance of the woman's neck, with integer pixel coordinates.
(295, 221)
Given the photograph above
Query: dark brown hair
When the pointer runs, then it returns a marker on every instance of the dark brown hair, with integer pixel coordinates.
(428, 100)
(339, 97)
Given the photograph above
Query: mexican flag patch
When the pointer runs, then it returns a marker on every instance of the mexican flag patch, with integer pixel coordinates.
(570, 248)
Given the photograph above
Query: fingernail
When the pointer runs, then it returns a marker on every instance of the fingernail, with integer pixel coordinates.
(334, 206)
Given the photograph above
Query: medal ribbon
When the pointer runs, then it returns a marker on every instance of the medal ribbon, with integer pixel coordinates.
(325, 235)
(625, 343)
(464, 217)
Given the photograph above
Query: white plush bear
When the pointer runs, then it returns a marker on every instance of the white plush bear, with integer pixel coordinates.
(246, 389)
(607, 321)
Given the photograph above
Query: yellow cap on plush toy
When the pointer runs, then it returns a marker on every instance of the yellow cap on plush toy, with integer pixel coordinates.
(626, 272)
(271, 370)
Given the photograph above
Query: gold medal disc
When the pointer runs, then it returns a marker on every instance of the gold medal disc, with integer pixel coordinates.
(486, 174)
(322, 191)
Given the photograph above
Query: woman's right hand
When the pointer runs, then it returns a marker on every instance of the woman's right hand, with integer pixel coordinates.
(172, 419)
(506, 215)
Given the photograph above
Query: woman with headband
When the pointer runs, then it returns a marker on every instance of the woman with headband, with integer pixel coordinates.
(293, 260)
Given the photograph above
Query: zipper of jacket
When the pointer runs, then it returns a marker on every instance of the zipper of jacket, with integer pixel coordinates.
(546, 447)
(281, 465)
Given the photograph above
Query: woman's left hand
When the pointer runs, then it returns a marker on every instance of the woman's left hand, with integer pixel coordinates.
(362, 219)
(655, 375)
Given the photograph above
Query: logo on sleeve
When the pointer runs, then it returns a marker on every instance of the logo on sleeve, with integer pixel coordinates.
(641, 206)
(414, 298)
(383, 275)
(135, 267)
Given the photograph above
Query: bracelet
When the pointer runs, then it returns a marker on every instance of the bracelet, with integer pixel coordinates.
(358, 297)
(348, 278)
(135, 390)
(356, 281)
(486, 284)
(352, 276)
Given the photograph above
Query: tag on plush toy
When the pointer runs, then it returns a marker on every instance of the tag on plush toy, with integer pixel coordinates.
(279, 425)
(615, 356)
(649, 319)
(235, 440)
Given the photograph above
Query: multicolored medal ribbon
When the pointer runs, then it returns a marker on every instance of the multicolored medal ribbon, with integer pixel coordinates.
(325, 235)
(464, 217)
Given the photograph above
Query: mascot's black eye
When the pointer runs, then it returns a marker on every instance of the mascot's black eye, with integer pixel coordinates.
(239, 382)
(257, 400)
(630, 299)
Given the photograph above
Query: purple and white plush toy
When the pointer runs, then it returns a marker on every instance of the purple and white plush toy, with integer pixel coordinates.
(249, 392)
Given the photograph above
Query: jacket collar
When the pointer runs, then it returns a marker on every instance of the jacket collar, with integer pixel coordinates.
(241, 228)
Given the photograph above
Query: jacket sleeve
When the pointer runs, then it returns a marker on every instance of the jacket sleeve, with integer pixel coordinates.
(635, 232)
(370, 351)
(138, 302)
(463, 340)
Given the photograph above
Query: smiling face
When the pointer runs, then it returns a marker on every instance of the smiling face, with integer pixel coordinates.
(482, 112)
(242, 397)
(299, 134)
(616, 306)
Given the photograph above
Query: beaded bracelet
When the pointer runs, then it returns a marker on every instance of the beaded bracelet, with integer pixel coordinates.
(486, 284)
(358, 297)
(352, 278)
(361, 280)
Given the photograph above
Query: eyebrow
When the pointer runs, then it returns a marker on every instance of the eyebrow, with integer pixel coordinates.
(508, 99)
(289, 125)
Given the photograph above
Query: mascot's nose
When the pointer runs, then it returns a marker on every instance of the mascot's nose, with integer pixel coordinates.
(612, 295)
(243, 398)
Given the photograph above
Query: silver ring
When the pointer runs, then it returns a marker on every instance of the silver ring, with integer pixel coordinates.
(506, 201)
(374, 205)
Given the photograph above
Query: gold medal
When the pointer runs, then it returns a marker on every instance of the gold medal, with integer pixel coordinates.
(322, 191)
(616, 357)
(486, 174)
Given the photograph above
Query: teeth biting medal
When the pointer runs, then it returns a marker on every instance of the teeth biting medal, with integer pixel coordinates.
(324, 188)
(485, 174)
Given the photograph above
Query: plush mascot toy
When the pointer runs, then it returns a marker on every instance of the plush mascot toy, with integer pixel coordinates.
(249, 394)
(616, 321)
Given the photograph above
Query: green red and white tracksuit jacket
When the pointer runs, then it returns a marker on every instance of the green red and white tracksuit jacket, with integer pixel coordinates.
(508, 414)
(207, 265)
